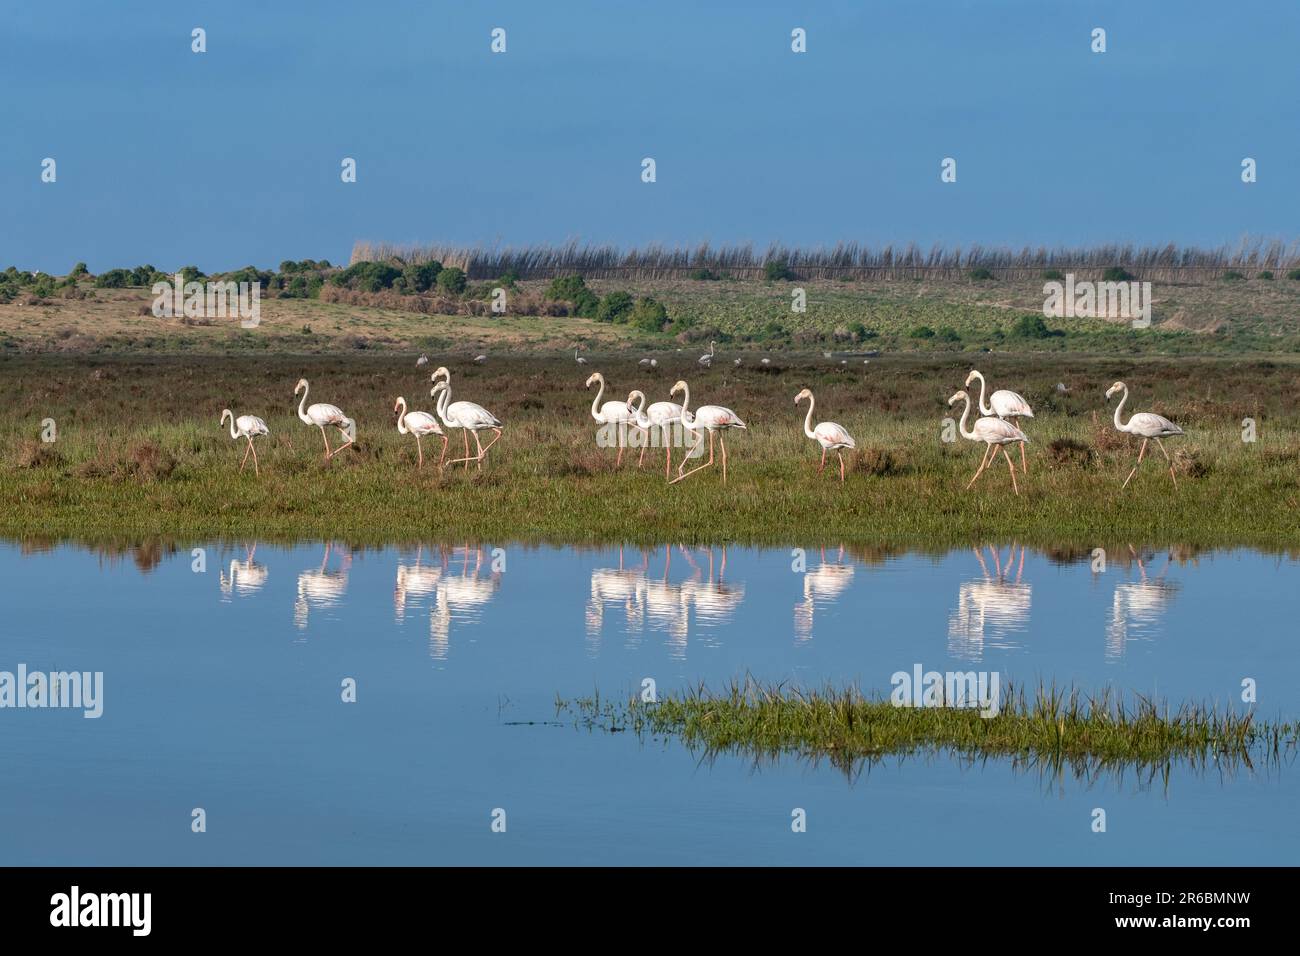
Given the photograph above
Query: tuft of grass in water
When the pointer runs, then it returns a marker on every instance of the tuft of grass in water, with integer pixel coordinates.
(1048, 726)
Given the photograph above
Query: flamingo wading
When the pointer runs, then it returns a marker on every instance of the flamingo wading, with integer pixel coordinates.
(995, 432)
(661, 416)
(706, 418)
(1149, 426)
(468, 417)
(321, 415)
(1004, 404)
(419, 424)
(830, 436)
(245, 426)
(618, 414)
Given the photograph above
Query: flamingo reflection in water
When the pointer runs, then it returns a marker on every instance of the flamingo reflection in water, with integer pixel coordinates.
(416, 584)
(620, 587)
(992, 604)
(660, 603)
(460, 598)
(821, 587)
(320, 588)
(246, 577)
(1137, 606)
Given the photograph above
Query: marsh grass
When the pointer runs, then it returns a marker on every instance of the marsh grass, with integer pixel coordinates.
(1047, 727)
(140, 453)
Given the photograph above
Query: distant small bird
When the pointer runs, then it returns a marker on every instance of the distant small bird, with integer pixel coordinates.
(578, 358)
(844, 361)
(1147, 424)
(480, 359)
(766, 361)
(245, 426)
(707, 358)
(654, 363)
(644, 361)
(1061, 388)
(827, 355)
(422, 361)
(736, 363)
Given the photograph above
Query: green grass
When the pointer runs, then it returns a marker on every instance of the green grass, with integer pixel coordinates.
(1057, 727)
(140, 453)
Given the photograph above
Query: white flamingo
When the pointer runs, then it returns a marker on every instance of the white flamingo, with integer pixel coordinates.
(578, 358)
(468, 417)
(480, 359)
(419, 424)
(660, 415)
(321, 415)
(995, 432)
(707, 358)
(618, 414)
(1149, 426)
(1004, 404)
(830, 436)
(706, 418)
(245, 426)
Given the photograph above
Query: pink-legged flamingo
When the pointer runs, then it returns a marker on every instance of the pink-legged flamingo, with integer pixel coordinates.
(419, 424)
(469, 417)
(618, 414)
(321, 415)
(1149, 426)
(245, 426)
(830, 436)
(706, 418)
(995, 432)
(1004, 404)
(660, 415)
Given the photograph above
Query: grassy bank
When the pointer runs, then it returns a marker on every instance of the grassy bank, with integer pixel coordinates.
(139, 453)
(842, 725)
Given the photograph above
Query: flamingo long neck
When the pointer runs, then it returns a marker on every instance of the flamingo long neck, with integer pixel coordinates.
(595, 403)
(302, 405)
(807, 422)
(228, 412)
(985, 408)
(1123, 398)
(444, 396)
(961, 426)
(640, 406)
(401, 416)
(686, 397)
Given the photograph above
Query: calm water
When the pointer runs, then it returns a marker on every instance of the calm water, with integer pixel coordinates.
(222, 690)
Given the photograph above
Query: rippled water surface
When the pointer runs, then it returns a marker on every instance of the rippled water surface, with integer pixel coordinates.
(222, 691)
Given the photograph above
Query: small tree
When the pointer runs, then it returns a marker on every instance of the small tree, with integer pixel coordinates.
(452, 280)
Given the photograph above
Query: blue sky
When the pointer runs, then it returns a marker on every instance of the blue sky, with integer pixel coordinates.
(232, 157)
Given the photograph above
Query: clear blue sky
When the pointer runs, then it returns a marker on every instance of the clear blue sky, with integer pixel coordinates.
(232, 156)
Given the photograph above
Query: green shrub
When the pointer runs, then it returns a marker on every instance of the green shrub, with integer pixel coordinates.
(113, 279)
(922, 332)
(78, 270)
(1054, 275)
(615, 307)
(1266, 274)
(1033, 327)
(778, 272)
(1232, 275)
(704, 275)
(981, 274)
(1117, 274)
(565, 288)
(1294, 275)
(947, 333)
(422, 276)
(452, 280)
(648, 315)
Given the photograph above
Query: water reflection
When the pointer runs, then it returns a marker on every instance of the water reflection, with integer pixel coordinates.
(459, 595)
(991, 610)
(321, 588)
(245, 577)
(822, 586)
(1137, 607)
(658, 603)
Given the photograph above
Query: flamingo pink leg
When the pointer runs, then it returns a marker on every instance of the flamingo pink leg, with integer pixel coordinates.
(841, 458)
(341, 447)
(1142, 451)
(326, 439)
(443, 456)
(243, 461)
(989, 452)
(1168, 459)
(680, 475)
(420, 451)
(1012, 469)
(1024, 468)
(822, 466)
(257, 471)
(722, 438)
